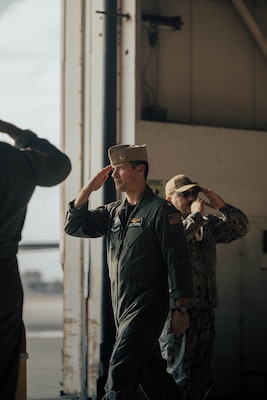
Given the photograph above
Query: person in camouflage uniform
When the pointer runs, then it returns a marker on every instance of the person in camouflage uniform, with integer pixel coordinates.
(189, 356)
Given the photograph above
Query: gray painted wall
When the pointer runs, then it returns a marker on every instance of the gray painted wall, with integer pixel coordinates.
(211, 72)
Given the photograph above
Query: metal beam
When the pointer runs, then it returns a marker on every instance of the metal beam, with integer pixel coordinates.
(251, 24)
(33, 246)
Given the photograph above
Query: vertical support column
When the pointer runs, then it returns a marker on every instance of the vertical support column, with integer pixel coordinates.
(127, 49)
(251, 24)
(71, 248)
(82, 137)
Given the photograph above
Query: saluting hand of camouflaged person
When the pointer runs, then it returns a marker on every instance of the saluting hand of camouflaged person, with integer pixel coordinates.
(215, 202)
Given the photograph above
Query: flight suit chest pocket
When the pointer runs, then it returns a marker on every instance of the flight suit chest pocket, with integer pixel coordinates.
(135, 230)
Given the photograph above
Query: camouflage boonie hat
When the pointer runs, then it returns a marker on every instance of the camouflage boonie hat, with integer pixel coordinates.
(127, 152)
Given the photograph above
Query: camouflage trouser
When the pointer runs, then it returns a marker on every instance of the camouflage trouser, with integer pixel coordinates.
(189, 356)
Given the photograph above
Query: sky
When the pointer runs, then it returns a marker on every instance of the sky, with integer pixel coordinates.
(30, 99)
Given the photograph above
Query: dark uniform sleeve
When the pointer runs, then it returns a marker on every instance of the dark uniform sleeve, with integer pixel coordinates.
(80, 222)
(175, 252)
(50, 166)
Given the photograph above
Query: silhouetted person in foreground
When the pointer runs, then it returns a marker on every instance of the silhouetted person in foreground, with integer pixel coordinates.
(31, 162)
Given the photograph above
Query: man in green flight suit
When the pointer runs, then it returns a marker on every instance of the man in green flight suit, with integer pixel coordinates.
(148, 260)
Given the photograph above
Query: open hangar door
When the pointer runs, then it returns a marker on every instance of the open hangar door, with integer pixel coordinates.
(240, 366)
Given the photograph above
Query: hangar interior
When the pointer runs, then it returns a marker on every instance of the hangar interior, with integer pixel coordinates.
(189, 79)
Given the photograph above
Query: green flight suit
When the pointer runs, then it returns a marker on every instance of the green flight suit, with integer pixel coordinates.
(147, 257)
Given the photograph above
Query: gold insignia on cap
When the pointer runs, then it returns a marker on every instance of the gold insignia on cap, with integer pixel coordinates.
(127, 152)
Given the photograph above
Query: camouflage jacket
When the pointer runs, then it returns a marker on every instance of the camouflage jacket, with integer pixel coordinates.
(203, 234)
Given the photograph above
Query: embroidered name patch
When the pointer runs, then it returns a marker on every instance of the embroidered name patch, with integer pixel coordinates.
(174, 219)
(136, 222)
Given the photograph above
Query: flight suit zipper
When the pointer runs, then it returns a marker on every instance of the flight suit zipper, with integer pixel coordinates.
(121, 240)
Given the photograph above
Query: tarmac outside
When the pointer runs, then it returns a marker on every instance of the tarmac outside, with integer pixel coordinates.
(43, 318)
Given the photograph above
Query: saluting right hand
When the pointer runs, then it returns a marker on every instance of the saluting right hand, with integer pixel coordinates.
(99, 179)
(12, 130)
(94, 184)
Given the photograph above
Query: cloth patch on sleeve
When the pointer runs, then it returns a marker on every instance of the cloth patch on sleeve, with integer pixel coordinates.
(174, 219)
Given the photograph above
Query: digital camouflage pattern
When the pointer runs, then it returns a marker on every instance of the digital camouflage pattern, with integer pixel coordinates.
(189, 357)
